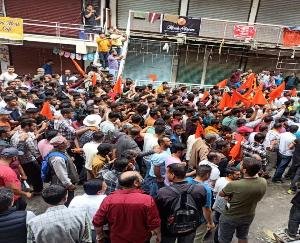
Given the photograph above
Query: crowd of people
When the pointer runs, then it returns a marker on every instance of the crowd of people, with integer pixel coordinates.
(164, 163)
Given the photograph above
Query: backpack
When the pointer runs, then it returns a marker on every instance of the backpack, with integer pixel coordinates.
(46, 167)
(185, 216)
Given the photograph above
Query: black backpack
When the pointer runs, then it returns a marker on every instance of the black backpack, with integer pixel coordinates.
(185, 216)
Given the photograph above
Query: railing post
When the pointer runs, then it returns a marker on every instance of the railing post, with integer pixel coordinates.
(253, 12)
(205, 62)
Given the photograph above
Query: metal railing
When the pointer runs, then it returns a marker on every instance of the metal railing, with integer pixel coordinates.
(189, 86)
(218, 29)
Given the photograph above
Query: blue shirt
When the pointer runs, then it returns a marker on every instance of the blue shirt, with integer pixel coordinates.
(207, 188)
(159, 160)
(47, 68)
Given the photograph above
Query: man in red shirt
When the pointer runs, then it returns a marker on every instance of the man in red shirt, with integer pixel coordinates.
(131, 215)
(9, 179)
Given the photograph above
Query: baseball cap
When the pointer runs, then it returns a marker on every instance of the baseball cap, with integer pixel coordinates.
(11, 152)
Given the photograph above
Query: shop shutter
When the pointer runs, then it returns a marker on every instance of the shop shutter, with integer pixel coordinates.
(68, 12)
(160, 6)
(279, 12)
(237, 10)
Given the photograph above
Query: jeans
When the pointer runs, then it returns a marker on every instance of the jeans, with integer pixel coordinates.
(295, 177)
(200, 233)
(151, 186)
(180, 239)
(294, 220)
(228, 226)
(103, 59)
(216, 218)
(272, 160)
(69, 198)
(284, 162)
(33, 172)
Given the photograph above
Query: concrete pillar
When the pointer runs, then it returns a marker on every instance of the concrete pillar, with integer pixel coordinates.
(184, 7)
(113, 12)
(253, 11)
(205, 62)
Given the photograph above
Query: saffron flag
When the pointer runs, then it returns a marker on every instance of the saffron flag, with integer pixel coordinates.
(234, 98)
(117, 89)
(275, 93)
(94, 79)
(293, 92)
(222, 84)
(225, 101)
(259, 98)
(235, 150)
(46, 111)
(244, 98)
(199, 131)
(79, 69)
(205, 95)
(249, 82)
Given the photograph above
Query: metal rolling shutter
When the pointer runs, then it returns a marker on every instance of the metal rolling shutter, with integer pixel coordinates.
(279, 12)
(160, 6)
(68, 12)
(237, 10)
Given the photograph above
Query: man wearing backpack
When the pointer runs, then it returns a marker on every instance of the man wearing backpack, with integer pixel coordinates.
(180, 206)
(61, 166)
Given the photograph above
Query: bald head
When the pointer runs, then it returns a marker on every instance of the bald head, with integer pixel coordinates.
(130, 179)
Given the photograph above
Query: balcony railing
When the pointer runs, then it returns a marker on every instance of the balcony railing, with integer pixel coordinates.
(266, 34)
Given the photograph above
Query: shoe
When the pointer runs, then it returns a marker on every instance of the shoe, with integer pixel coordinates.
(291, 237)
(291, 192)
(278, 181)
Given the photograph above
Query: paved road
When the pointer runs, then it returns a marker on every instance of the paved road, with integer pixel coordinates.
(271, 214)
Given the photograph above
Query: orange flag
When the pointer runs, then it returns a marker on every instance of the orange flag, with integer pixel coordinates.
(199, 131)
(205, 95)
(249, 82)
(152, 77)
(225, 101)
(234, 98)
(94, 79)
(259, 98)
(46, 111)
(235, 150)
(222, 84)
(293, 92)
(118, 86)
(275, 93)
(79, 69)
(244, 98)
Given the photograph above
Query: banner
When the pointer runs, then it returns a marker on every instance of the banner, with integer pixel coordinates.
(11, 28)
(174, 24)
(244, 32)
(291, 36)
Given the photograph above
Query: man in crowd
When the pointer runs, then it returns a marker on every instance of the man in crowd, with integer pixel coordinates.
(63, 171)
(13, 222)
(243, 196)
(8, 76)
(166, 198)
(93, 196)
(58, 218)
(131, 208)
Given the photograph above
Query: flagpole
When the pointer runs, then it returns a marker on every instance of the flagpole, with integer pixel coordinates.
(125, 46)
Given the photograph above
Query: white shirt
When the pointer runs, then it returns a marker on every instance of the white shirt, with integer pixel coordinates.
(251, 137)
(215, 172)
(89, 203)
(6, 77)
(150, 141)
(220, 184)
(271, 136)
(285, 139)
(189, 144)
(90, 150)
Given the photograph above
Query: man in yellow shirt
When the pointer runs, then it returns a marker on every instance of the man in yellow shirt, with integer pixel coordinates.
(102, 158)
(104, 46)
